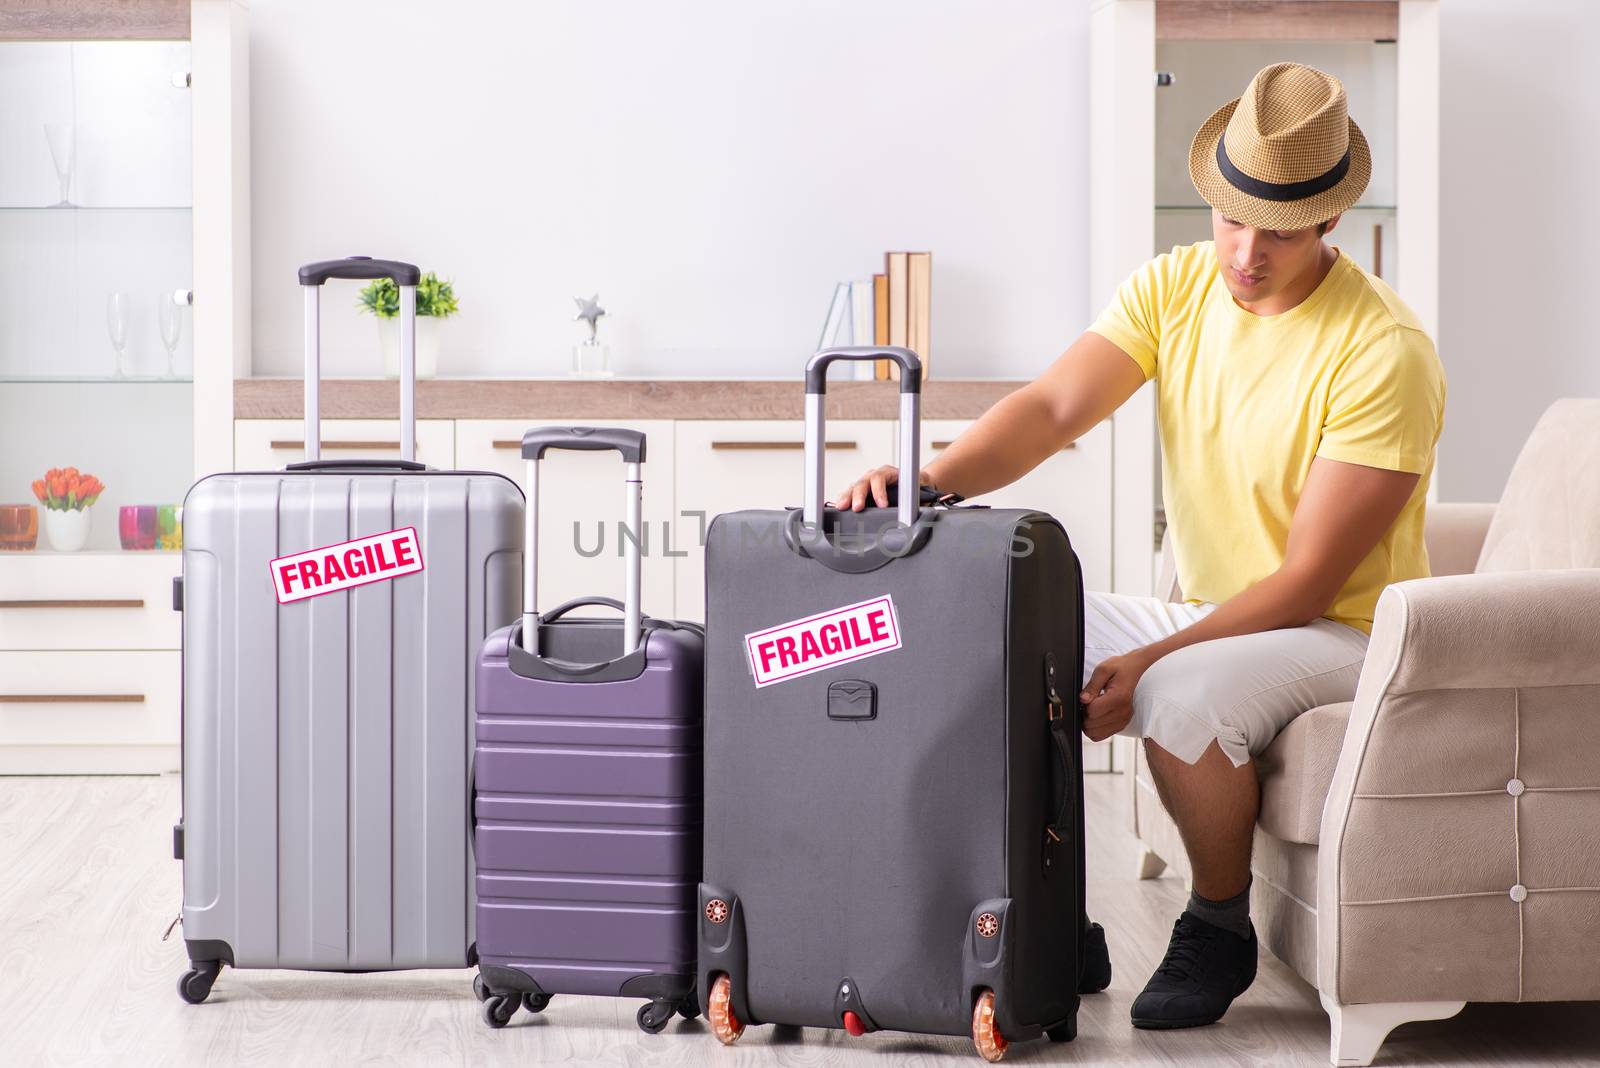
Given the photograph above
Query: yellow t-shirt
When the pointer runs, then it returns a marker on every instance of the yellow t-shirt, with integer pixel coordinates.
(1244, 402)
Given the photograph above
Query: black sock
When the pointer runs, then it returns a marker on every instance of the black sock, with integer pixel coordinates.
(1230, 915)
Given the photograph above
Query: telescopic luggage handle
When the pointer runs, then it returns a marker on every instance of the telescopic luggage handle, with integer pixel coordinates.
(910, 424)
(404, 275)
(631, 444)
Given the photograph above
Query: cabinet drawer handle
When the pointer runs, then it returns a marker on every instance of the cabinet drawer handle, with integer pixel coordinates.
(750, 445)
(71, 698)
(947, 444)
(351, 445)
(133, 603)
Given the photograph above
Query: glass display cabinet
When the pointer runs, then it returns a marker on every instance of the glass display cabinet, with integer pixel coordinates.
(123, 245)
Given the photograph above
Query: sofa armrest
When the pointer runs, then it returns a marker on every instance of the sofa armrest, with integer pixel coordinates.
(1454, 533)
(1496, 630)
(1460, 789)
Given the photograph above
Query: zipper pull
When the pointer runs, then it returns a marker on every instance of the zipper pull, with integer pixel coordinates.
(176, 921)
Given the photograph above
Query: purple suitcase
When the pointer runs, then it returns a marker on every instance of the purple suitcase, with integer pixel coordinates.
(587, 788)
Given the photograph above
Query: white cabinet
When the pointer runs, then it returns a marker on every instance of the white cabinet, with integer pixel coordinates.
(269, 444)
(91, 600)
(727, 465)
(582, 508)
(1074, 485)
(65, 713)
(89, 675)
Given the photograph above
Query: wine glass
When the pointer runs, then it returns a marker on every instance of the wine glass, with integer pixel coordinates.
(117, 325)
(169, 315)
(62, 151)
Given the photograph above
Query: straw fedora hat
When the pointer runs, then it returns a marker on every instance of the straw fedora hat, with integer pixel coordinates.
(1285, 155)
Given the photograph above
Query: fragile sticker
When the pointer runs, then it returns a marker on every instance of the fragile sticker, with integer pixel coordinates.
(790, 650)
(332, 568)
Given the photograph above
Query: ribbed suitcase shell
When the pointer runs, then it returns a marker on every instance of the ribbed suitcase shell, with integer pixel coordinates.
(588, 819)
(863, 850)
(327, 742)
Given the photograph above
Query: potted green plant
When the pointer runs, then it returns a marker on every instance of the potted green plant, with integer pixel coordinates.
(436, 301)
(67, 496)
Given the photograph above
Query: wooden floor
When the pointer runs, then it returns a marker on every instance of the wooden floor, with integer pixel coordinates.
(87, 886)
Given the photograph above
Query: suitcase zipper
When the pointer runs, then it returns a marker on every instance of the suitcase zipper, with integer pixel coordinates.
(1056, 717)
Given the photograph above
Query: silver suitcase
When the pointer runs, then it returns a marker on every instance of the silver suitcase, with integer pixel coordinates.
(327, 741)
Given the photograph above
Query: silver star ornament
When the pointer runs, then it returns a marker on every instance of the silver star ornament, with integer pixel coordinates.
(590, 312)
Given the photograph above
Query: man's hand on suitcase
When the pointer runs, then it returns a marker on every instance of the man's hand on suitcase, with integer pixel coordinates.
(873, 485)
(1108, 696)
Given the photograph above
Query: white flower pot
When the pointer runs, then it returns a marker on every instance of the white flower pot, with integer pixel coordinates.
(427, 345)
(67, 531)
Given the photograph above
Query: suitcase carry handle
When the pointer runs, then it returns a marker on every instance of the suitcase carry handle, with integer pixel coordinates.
(910, 424)
(578, 602)
(364, 465)
(631, 444)
(360, 268)
(406, 276)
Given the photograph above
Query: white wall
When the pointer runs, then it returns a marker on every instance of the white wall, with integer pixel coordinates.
(1520, 148)
(711, 168)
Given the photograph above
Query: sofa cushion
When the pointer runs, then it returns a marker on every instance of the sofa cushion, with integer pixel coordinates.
(1296, 772)
(1546, 517)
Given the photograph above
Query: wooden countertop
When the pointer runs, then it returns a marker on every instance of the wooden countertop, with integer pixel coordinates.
(612, 398)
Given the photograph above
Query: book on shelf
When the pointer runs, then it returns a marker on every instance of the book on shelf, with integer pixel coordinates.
(919, 305)
(897, 267)
(849, 322)
(910, 307)
(838, 315)
(862, 326)
(880, 321)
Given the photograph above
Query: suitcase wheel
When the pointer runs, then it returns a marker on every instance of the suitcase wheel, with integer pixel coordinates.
(194, 985)
(654, 1016)
(719, 1011)
(498, 1010)
(479, 991)
(535, 1002)
(690, 1008)
(985, 1035)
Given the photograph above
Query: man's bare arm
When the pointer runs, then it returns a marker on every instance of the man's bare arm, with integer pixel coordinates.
(1344, 511)
(1080, 389)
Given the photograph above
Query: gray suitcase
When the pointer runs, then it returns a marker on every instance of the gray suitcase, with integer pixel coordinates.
(327, 741)
(893, 821)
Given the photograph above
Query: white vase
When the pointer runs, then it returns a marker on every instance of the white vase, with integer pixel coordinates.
(427, 345)
(67, 531)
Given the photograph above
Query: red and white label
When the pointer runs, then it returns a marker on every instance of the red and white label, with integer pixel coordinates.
(332, 568)
(803, 646)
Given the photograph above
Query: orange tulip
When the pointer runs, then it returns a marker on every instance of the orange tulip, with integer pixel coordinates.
(53, 474)
(58, 487)
(38, 488)
(71, 472)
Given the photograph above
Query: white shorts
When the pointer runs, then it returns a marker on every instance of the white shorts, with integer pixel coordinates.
(1239, 691)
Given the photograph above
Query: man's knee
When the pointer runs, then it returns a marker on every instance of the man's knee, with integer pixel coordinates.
(1189, 706)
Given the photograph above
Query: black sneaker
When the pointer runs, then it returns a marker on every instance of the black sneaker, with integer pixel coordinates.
(1204, 970)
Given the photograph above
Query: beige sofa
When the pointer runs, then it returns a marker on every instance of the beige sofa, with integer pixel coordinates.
(1437, 840)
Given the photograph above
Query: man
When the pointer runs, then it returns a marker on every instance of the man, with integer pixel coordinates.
(1299, 403)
